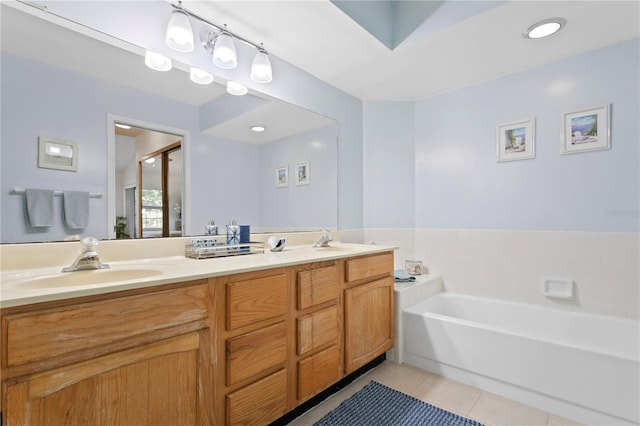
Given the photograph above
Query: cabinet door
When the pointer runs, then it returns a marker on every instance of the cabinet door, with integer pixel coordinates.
(150, 385)
(368, 322)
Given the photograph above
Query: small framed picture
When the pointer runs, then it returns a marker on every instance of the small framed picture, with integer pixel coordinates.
(282, 177)
(516, 141)
(302, 173)
(586, 130)
(57, 154)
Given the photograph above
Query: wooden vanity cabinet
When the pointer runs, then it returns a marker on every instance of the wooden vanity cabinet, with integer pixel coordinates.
(242, 349)
(368, 307)
(134, 359)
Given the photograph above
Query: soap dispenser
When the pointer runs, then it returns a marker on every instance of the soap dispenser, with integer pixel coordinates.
(233, 233)
(211, 228)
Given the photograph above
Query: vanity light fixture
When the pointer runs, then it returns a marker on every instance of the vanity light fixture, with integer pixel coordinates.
(236, 89)
(200, 76)
(179, 35)
(261, 67)
(157, 62)
(220, 42)
(258, 128)
(545, 28)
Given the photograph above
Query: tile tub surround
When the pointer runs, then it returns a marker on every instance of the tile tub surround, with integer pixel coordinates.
(512, 264)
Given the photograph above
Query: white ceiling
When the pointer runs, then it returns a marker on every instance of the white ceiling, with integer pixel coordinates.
(459, 44)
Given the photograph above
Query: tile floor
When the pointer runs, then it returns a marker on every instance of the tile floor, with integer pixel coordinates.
(485, 407)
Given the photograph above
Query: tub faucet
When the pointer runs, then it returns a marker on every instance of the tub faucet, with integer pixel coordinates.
(88, 257)
(325, 239)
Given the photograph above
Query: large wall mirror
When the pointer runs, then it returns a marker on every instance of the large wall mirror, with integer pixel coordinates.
(62, 81)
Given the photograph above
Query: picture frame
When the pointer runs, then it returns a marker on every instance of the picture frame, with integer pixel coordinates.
(302, 173)
(57, 154)
(516, 140)
(282, 177)
(586, 130)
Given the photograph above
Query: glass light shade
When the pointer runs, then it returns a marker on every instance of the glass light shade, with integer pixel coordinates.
(261, 67)
(545, 28)
(237, 89)
(179, 34)
(224, 52)
(200, 76)
(156, 61)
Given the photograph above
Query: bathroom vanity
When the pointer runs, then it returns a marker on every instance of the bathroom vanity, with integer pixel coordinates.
(239, 344)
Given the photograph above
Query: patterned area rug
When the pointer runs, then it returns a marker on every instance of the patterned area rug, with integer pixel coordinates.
(379, 405)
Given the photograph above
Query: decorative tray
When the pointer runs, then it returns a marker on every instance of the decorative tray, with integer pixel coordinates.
(206, 248)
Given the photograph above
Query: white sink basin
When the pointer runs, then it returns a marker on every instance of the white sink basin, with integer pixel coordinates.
(80, 278)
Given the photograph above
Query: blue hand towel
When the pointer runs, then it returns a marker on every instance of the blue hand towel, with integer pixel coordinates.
(39, 207)
(76, 209)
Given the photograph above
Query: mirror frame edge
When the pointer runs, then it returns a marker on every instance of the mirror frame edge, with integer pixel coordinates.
(111, 163)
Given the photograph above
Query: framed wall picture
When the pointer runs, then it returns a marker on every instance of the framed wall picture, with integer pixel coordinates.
(302, 173)
(57, 154)
(282, 177)
(516, 141)
(586, 130)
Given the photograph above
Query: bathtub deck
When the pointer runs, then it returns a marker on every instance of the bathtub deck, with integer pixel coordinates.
(485, 407)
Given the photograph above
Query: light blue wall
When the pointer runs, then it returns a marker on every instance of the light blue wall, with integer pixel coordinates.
(295, 207)
(458, 183)
(388, 164)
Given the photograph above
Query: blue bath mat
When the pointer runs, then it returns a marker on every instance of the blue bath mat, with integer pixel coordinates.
(378, 405)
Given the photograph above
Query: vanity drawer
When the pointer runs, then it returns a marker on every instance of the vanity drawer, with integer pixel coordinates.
(35, 336)
(254, 352)
(369, 267)
(254, 300)
(260, 403)
(318, 329)
(318, 372)
(317, 286)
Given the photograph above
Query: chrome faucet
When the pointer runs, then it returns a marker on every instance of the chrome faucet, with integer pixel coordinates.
(88, 257)
(325, 239)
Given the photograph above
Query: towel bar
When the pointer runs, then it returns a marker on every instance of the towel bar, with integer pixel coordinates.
(16, 190)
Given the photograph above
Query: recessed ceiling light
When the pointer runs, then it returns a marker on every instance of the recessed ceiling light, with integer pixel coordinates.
(545, 28)
(150, 160)
(123, 126)
(258, 128)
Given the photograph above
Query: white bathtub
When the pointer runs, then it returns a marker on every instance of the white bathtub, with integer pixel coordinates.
(581, 366)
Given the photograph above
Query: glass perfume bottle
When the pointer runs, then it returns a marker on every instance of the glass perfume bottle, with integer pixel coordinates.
(211, 228)
(233, 233)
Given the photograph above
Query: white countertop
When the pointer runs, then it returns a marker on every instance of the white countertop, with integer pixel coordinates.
(26, 286)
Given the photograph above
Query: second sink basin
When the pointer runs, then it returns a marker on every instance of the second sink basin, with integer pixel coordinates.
(98, 276)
